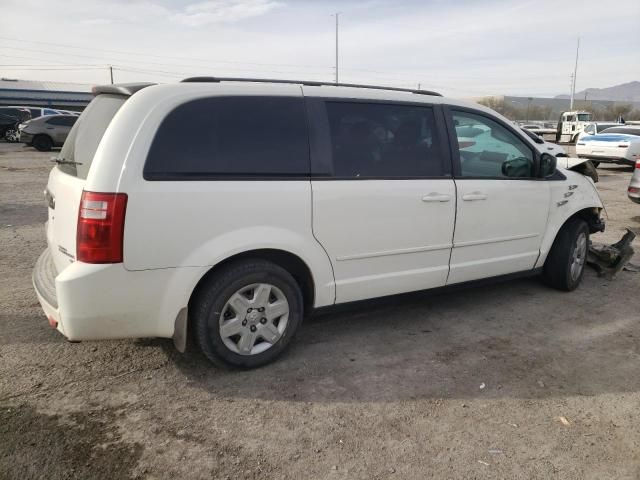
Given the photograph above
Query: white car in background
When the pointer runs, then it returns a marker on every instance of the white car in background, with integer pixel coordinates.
(597, 127)
(614, 145)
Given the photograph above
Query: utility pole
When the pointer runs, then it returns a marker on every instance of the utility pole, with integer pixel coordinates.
(111, 73)
(337, 17)
(573, 77)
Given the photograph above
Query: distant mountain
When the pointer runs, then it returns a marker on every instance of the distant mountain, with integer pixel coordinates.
(625, 92)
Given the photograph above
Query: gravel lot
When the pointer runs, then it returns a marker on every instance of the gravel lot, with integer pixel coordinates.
(511, 380)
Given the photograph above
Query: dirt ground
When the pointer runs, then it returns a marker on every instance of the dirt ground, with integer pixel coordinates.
(511, 380)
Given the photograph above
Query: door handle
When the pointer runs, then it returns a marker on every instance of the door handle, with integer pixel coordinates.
(469, 197)
(436, 197)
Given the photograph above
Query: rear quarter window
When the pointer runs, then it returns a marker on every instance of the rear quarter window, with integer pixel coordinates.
(225, 137)
(86, 134)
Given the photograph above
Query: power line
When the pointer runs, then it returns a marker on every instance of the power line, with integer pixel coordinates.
(161, 56)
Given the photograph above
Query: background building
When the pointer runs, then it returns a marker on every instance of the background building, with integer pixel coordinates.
(66, 96)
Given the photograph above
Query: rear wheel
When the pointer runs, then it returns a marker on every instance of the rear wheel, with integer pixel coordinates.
(42, 143)
(247, 314)
(565, 263)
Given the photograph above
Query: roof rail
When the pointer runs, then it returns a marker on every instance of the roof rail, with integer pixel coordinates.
(306, 82)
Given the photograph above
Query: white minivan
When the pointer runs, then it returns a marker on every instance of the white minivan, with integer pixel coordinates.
(231, 208)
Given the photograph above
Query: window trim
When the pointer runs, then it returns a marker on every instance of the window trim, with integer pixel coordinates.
(232, 176)
(453, 140)
(321, 145)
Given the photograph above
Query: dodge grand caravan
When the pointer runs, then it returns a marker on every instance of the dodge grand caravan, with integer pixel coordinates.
(233, 207)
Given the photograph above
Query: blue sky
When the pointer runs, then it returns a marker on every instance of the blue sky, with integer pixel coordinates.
(462, 48)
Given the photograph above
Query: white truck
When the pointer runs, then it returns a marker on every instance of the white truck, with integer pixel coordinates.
(570, 125)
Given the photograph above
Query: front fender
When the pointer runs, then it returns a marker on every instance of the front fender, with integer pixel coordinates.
(569, 197)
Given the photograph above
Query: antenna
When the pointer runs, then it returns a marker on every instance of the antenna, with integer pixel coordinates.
(573, 77)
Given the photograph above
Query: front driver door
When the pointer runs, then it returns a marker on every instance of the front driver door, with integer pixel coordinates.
(502, 206)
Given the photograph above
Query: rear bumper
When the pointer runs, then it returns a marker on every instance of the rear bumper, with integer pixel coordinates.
(95, 302)
(44, 283)
(26, 138)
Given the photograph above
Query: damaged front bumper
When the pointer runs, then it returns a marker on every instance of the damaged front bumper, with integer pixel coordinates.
(608, 260)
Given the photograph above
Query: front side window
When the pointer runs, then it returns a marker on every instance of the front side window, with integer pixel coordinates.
(371, 140)
(590, 129)
(247, 136)
(488, 149)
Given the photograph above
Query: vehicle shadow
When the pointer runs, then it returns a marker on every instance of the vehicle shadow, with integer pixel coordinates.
(517, 339)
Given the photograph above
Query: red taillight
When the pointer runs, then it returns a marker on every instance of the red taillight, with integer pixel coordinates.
(638, 164)
(634, 190)
(101, 227)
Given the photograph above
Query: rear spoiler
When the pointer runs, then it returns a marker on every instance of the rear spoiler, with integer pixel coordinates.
(126, 89)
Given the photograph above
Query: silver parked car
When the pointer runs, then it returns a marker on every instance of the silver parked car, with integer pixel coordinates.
(634, 185)
(46, 132)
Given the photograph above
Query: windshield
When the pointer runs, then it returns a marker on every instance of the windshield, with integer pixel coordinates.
(584, 117)
(604, 126)
(626, 130)
(84, 138)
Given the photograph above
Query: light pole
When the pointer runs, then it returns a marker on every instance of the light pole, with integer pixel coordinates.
(337, 15)
(573, 77)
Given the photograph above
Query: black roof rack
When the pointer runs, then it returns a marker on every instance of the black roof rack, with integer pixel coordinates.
(306, 82)
(127, 89)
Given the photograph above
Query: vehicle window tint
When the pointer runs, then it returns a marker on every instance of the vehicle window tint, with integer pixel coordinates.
(231, 136)
(85, 135)
(54, 121)
(496, 152)
(382, 140)
(35, 112)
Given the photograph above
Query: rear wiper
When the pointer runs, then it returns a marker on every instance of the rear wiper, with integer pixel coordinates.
(62, 161)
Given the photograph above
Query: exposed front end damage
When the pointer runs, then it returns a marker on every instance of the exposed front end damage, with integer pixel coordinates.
(581, 165)
(608, 260)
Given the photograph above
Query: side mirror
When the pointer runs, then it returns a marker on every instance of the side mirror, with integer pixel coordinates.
(520, 167)
(548, 164)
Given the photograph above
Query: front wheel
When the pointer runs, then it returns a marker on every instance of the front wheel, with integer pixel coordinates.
(565, 263)
(247, 314)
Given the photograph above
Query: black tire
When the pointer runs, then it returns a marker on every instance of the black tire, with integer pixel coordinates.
(42, 143)
(557, 271)
(212, 297)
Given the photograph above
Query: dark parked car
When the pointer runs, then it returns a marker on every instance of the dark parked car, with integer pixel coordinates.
(47, 132)
(10, 117)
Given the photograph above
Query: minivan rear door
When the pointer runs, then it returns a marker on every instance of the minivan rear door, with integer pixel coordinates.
(68, 177)
(383, 196)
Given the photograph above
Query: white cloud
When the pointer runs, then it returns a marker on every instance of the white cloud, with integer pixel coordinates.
(222, 11)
